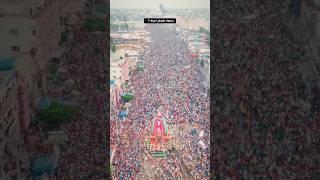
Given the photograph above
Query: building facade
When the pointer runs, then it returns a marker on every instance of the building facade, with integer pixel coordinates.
(192, 23)
(30, 33)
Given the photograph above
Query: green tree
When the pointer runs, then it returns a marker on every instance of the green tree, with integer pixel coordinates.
(114, 27)
(94, 24)
(123, 26)
(56, 114)
(203, 30)
(126, 26)
(140, 67)
(127, 97)
(101, 9)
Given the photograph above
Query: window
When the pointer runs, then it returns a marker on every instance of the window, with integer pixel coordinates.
(15, 48)
(34, 32)
(13, 31)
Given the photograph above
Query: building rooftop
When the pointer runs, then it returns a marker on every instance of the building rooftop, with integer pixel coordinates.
(196, 43)
(115, 74)
(131, 53)
(204, 50)
(7, 64)
(130, 36)
(115, 60)
(115, 35)
(126, 35)
(117, 54)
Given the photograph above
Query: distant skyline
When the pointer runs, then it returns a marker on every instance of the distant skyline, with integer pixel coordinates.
(153, 4)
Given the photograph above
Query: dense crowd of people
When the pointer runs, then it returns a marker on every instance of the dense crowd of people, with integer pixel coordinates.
(265, 118)
(171, 84)
(82, 80)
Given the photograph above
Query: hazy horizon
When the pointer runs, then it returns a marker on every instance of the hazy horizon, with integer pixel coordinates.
(153, 4)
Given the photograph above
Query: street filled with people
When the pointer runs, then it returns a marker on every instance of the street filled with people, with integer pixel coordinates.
(170, 84)
(265, 119)
(81, 79)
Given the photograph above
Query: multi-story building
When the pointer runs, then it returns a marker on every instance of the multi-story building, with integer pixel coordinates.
(119, 67)
(132, 25)
(204, 56)
(192, 23)
(195, 46)
(9, 121)
(125, 70)
(132, 57)
(115, 74)
(132, 41)
(114, 94)
(30, 33)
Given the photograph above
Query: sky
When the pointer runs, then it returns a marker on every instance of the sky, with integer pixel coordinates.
(152, 4)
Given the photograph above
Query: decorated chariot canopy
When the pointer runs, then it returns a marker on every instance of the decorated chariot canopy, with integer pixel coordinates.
(161, 139)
